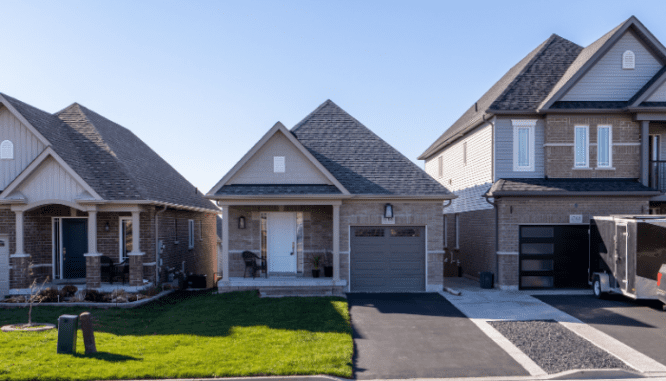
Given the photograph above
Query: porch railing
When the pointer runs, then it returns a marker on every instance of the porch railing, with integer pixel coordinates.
(658, 175)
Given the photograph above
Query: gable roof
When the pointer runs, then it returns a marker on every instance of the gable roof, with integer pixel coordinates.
(522, 88)
(113, 161)
(222, 188)
(363, 162)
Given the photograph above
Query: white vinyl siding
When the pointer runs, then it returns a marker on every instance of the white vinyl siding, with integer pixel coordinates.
(6, 150)
(581, 147)
(25, 146)
(523, 145)
(604, 146)
(190, 229)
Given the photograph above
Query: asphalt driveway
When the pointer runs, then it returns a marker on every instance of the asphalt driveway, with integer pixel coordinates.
(421, 335)
(638, 324)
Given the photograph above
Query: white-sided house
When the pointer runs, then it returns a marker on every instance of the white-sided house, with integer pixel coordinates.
(329, 191)
(78, 191)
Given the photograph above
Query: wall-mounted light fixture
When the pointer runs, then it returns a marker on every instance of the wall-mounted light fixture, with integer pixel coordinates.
(107, 227)
(241, 222)
(388, 211)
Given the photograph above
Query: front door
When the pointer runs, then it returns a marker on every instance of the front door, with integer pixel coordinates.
(281, 232)
(74, 245)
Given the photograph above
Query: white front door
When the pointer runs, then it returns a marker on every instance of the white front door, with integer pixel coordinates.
(4, 265)
(281, 232)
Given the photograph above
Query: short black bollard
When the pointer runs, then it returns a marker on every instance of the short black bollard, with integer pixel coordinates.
(68, 326)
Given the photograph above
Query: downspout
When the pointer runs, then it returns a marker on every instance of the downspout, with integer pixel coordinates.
(157, 244)
(494, 204)
(444, 206)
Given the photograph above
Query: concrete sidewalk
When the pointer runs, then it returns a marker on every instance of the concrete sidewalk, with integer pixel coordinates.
(483, 305)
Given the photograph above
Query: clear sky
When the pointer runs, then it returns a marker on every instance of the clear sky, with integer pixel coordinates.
(201, 81)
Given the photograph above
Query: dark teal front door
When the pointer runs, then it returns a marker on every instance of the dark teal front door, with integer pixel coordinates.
(74, 245)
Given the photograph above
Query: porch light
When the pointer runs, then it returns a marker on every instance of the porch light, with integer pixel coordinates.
(388, 211)
(241, 222)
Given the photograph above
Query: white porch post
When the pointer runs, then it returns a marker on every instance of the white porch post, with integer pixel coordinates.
(92, 232)
(136, 256)
(336, 242)
(136, 234)
(19, 233)
(225, 243)
(93, 258)
(20, 258)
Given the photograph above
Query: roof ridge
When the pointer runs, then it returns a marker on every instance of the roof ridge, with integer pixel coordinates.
(307, 117)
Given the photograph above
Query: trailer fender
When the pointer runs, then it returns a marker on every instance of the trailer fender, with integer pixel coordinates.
(604, 280)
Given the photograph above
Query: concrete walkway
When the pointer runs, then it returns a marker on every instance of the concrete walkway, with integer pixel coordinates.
(481, 306)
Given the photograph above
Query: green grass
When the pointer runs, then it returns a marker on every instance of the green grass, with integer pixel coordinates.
(187, 336)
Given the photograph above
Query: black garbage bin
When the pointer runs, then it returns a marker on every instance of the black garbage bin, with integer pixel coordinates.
(486, 279)
(68, 326)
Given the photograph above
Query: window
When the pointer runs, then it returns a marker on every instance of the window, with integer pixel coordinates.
(6, 150)
(604, 146)
(278, 164)
(125, 237)
(440, 166)
(465, 153)
(581, 146)
(628, 60)
(523, 145)
(457, 230)
(190, 228)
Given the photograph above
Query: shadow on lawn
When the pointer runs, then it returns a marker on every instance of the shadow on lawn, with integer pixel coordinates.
(109, 357)
(203, 313)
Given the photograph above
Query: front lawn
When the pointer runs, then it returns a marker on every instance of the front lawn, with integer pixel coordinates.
(188, 335)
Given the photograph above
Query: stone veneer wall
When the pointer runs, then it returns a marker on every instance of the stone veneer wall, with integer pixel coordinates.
(366, 212)
(560, 158)
(514, 211)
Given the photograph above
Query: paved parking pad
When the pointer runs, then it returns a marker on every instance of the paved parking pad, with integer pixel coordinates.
(421, 336)
(640, 325)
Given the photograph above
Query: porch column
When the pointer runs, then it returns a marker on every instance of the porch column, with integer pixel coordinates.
(336, 242)
(136, 256)
(20, 258)
(225, 243)
(93, 260)
(645, 154)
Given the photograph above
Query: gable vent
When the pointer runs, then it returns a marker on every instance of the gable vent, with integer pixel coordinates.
(628, 60)
(278, 164)
(7, 150)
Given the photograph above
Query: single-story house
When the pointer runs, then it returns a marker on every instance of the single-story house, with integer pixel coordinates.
(330, 191)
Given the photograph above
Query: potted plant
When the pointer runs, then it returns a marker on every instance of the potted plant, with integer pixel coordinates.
(316, 260)
(328, 265)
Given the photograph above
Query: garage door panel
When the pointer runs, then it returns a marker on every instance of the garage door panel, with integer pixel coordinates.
(387, 259)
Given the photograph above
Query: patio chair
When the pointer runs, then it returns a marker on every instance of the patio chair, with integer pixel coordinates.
(250, 260)
(122, 270)
(107, 269)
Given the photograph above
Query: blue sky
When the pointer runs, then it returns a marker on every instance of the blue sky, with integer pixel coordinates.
(202, 81)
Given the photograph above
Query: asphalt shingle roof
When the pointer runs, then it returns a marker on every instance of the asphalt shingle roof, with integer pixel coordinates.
(110, 158)
(549, 187)
(276, 189)
(360, 160)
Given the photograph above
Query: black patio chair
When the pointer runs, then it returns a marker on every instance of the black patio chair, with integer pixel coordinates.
(107, 269)
(122, 270)
(250, 260)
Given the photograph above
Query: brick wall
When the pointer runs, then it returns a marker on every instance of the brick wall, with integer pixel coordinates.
(477, 242)
(560, 157)
(514, 211)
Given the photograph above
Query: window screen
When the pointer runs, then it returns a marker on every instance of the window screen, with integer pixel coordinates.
(603, 146)
(581, 146)
(523, 147)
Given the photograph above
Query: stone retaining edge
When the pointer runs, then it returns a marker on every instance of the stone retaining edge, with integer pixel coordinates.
(90, 304)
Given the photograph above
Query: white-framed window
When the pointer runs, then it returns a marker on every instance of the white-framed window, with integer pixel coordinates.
(190, 229)
(440, 166)
(125, 237)
(523, 145)
(628, 60)
(457, 231)
(581, 146)
(6, 150)
(604, 146)
(279, 164)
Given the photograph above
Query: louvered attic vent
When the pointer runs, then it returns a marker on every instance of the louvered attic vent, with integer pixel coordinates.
(628, 60)
(278, 164)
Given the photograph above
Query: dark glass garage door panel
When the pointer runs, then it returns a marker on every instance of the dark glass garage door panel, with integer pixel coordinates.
(387, 259)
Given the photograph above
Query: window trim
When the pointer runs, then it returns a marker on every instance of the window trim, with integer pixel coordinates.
(6, 146)
(121, 238)
(530, 125)
(587, 147)
(610, 146)
(190, 230)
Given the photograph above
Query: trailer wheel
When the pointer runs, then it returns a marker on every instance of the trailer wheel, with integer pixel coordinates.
(596, 288)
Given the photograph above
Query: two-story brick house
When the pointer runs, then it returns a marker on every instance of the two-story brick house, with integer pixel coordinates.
(567, 133)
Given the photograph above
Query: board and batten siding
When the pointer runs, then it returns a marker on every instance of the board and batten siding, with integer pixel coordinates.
(467, 181)
(607, 81)
(50, 181)
(504, 150)
(26, 147)
(298, 168)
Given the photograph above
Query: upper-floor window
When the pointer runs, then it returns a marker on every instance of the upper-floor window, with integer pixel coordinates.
(278, 164)
(6, 150)
(581, 147)
(628, 60)
(604, 146)
(523, 145)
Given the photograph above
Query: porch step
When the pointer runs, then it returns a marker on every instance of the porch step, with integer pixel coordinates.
(278, 292)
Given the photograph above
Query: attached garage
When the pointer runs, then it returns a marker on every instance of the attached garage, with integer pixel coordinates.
(553, 256)
(388, 259)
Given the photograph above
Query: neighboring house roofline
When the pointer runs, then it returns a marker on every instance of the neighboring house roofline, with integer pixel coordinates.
(22, 119)
(267, 136)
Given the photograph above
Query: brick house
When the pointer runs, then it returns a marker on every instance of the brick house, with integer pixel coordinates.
(569, 132)
(330, 188)
(76, 187)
